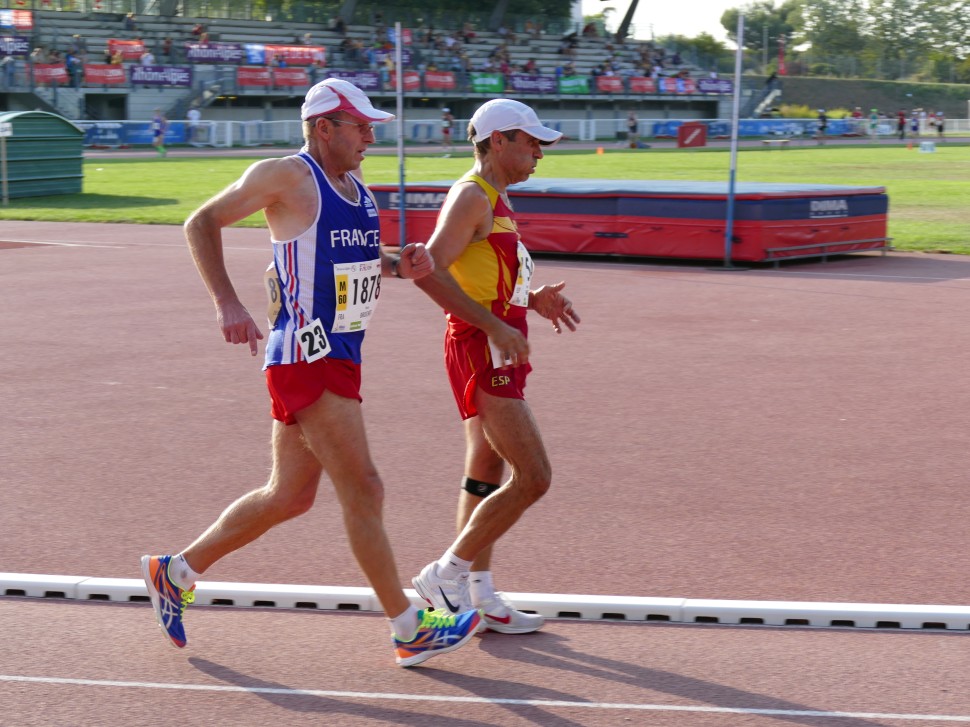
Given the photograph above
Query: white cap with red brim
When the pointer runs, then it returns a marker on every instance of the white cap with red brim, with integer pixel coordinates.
(504, 114)
(334, 95)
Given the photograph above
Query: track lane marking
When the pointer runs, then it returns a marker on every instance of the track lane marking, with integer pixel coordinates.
(331, 694)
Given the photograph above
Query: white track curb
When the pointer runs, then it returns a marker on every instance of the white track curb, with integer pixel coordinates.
(563, 606)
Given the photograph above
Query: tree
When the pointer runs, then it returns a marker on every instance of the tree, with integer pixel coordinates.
(762, 18)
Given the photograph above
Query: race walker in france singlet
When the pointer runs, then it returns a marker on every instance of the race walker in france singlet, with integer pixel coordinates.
(324, 285)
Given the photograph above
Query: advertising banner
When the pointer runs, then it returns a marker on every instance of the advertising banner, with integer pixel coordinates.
(412, 80)
(14, 45)
(291, 77)
(103, 133)
(439, 80)
(214, 52)
(364, 80)
(131, 50)
(573, 84)
(487, 82)
(103, 74)
(250, 76)
(532, 84)
(293, 55)
(142, 133)
(715, 85)
(383, 55)
(642, 84)
(49, 73)
(16, 20)
(609, 84)
(161, 75)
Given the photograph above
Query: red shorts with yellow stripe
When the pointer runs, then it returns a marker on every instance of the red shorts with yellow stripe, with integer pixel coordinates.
(469, 365)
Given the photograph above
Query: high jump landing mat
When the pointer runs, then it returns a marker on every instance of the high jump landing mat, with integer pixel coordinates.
(677, 219)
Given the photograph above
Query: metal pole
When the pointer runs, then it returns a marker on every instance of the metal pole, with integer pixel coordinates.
(735, 114)
(399, 66)
(3, 169)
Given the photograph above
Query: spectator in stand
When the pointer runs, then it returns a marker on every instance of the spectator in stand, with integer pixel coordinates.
(307, 38)
(197, 32)
(167, 49)
(676, 60)
(108, 55)
(147, 58)
(78, 43)
(130, 24)
(530, 66)
(74, 65)
(467, 34)
(914, 123)
(590, 30)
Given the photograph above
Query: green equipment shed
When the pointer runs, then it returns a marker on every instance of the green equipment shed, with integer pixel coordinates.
(44, 154)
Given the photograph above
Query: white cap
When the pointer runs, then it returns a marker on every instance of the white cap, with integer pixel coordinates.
(334, 95)
(504, 114)
(446, 110)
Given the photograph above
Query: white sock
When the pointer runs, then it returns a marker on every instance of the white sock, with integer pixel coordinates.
(181, 573)
(480, 586)
(405, 626)
(450, 566)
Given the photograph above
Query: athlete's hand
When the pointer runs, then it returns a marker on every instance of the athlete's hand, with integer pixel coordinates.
(416, 261)
(237, 325)
(549, 303)
(511, 345)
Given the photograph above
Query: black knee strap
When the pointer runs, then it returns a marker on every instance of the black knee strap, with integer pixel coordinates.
(479, 488)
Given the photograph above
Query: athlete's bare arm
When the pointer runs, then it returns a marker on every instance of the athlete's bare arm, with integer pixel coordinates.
(465, 217)
(274, 185)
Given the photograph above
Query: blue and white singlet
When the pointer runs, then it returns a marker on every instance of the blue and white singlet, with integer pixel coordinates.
(331, 273)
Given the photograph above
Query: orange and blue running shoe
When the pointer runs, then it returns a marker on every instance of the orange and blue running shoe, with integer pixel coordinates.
(168, 599)
(437, 634)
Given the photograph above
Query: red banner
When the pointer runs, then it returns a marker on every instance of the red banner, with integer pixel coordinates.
(254, 76)
(668, 85)
(297, 55)
(406, 37)
(412, 80)
(290, 77)
(642, 84)
(131, 50)
(609, 84)
(439, 80)
(97, 74)
(49, 73)
(690, 85)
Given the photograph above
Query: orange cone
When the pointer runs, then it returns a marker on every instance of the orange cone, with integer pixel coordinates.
(599, 150)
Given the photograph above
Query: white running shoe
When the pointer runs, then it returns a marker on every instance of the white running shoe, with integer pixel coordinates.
(500, 615)
(449, 596)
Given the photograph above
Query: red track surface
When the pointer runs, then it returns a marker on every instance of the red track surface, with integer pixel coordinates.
(772, 435)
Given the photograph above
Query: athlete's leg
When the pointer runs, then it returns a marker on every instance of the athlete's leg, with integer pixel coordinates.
(290, 491)
(511, 430)
(334, 430)
(482, 463)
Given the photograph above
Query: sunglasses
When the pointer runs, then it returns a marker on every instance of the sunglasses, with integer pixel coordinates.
(362, 128)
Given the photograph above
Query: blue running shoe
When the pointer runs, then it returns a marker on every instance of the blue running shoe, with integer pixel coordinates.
(437, 634)
(169, 600)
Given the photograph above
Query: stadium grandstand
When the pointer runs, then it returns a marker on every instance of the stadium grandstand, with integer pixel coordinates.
(249, 64)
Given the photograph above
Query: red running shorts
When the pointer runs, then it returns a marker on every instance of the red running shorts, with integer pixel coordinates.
(469, 366)
(295, 386)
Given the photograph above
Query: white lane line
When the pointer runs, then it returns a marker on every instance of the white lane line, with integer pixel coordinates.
(61, 244)
(331, 694)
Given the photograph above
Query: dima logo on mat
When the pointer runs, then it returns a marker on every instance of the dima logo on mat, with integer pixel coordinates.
(418, 200)
(828, 208)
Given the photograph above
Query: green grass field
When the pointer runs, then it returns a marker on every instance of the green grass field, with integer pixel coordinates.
(929, 194)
